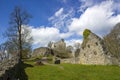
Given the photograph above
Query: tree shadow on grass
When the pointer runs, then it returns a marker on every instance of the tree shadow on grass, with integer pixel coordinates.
(21, 74)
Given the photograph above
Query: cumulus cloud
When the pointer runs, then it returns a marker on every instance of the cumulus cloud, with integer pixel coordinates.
(66, 35)
(99, 18)
(43, 35)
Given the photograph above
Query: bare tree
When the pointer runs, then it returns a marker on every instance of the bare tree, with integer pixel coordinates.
(15, 33)
(26, 41)
(2, 51)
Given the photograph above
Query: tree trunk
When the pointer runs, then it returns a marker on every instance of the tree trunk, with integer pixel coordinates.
(20, 43)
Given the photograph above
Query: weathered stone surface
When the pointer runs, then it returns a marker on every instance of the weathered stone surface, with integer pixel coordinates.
(60, 45)
(68, 60)
(60, 50)
(42, 51)
(94, 51)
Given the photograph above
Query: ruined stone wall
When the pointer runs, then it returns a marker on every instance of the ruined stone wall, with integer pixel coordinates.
(42, 51)
(60, 50)
(60, 45)
(94, 51)
(8, 69)
(70, 60)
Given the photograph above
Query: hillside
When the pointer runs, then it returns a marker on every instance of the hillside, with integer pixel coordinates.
(72, 72)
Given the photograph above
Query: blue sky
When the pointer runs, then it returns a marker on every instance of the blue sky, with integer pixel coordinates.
(41, 10)
(56, 19)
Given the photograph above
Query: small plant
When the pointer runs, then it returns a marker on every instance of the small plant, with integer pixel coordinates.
(86, 33)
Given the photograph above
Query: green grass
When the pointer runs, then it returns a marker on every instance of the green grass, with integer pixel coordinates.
(72, 72)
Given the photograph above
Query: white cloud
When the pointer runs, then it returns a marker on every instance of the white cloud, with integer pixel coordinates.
(98, 18)
(85, 4)
(73, 41)
(63, 20)
(59, 12)
(66, 35)
(43, 35)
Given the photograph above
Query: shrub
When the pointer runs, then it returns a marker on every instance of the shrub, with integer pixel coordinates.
(86, 33)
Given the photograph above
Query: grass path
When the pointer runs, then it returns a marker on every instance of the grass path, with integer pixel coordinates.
(72, 72)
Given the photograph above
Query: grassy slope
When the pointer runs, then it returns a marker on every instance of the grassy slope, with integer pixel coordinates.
(72, 72)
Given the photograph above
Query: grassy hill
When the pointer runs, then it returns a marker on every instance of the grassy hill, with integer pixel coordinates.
(71, 72)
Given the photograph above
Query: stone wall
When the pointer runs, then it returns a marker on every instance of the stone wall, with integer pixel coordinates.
(59, 45)
(70, 60)
(42, 51)
(8, 69)
(94, 51)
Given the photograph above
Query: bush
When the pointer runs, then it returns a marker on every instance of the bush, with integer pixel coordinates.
(86, 33)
